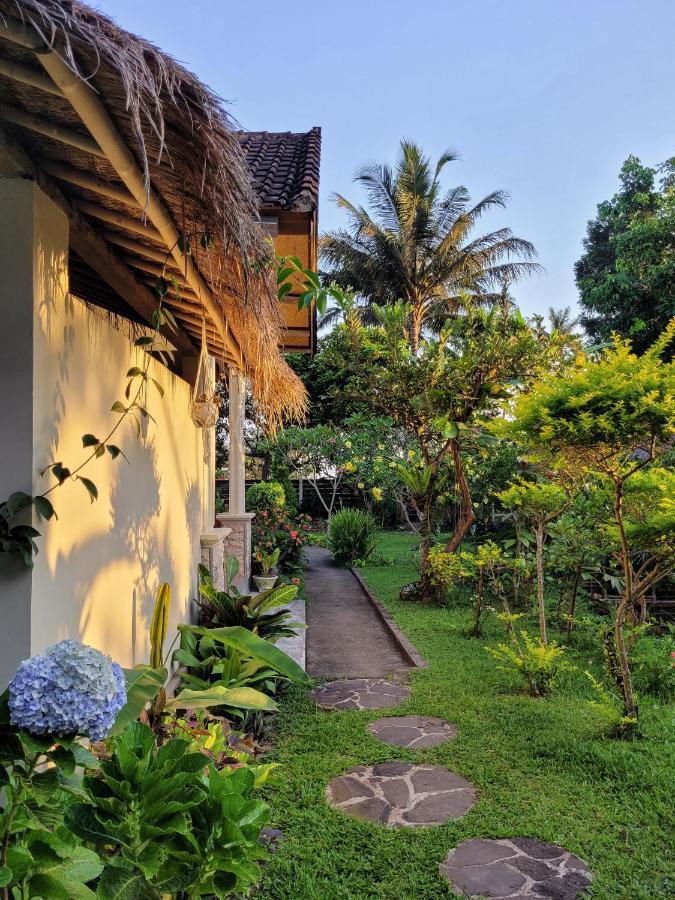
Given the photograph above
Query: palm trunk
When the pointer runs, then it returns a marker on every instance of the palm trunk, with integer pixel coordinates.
(466, 514)
(540, 583)
(479, 603)
(427, 592)
(415, 330)
(624, 606)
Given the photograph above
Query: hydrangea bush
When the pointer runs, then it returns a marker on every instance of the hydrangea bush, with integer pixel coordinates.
(69, 689)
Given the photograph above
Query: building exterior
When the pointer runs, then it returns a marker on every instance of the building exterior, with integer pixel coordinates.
(122, 184)
(285, 170)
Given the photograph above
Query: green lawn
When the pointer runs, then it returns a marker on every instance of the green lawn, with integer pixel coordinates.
(541, 768)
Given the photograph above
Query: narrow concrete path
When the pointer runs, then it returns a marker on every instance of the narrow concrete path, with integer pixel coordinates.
(346, 637)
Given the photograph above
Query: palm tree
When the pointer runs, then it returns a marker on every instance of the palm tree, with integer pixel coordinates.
(562, 320)
(416, 243)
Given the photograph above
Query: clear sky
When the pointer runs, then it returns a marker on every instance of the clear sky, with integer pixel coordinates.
(544, 98)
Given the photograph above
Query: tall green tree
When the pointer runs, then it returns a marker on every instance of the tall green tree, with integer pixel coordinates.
(416, 242)
(626, 275)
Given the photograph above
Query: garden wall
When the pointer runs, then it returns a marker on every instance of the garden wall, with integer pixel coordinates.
(62, 366)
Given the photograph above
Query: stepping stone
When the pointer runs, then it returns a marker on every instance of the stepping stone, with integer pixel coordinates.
(360, 693)
(413, 732)
(402, 794)
(515, 867)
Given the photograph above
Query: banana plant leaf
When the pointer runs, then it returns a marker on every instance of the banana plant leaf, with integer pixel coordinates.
(251, 645)
(238, 698)
(143, 685)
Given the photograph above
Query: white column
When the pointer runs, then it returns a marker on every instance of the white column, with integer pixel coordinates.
(236, 455)
(33, 286)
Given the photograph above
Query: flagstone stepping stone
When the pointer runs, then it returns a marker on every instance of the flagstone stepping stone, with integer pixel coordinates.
(413, 732)
(360, 693)
(402, 794)
(517, 867)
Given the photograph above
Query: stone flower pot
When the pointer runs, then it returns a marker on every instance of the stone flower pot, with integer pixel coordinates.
(265, 582)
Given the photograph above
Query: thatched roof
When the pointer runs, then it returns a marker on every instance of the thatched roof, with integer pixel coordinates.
(184, 144)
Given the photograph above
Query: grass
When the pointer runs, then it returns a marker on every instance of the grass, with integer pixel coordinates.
(541, 766)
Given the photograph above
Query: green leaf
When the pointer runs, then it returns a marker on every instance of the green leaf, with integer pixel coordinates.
(17, 501)
(81, 820)
(134, 372)
(284, 289)
(250, 644)
(61, 473)
(144, 341)
(143, 685)
(120, 884)
(20, 862)
(6, 876)
(240, 698)
(90, 440)
(47, 888)
(92, 490)
(161, 286)
(160, 389)
(118, 407)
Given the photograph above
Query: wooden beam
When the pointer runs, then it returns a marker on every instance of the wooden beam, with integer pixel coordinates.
(81, 179)
(117, 218)
(120, 240)
(95, 252)
(26, 75)
(49, 129)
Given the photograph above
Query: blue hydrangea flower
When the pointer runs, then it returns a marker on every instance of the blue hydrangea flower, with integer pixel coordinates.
(69, 689)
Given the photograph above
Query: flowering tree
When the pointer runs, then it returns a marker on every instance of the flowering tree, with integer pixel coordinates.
(614, 418)
(438, 394)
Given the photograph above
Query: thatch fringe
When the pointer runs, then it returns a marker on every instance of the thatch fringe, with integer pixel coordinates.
(185, 146)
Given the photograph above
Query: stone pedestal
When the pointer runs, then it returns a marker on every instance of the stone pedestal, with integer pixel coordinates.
(213, 554)
(238, 543)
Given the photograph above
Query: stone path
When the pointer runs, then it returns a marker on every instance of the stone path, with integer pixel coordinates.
(346, 637)
(517, 867)
(360, 693)
(402, 794)
(413, 732)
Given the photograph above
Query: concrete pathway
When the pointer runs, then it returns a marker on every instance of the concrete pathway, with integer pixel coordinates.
(346, 637)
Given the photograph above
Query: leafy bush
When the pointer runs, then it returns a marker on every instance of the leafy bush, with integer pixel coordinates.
(351, 535)
(537, 663)
(653, 661)
(265, 495)
(163, 826)
(264, 613)
(274, 528)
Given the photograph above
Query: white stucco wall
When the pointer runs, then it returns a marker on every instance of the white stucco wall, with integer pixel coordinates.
(100, 563)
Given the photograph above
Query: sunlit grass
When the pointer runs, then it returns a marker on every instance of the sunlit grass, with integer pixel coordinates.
(541, 766)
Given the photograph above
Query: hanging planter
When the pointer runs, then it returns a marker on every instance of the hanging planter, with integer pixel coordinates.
(205, 405)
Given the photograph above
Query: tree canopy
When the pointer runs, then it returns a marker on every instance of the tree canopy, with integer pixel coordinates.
(626, 275)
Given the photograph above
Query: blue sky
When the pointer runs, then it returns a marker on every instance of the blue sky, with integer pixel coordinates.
(544, 98)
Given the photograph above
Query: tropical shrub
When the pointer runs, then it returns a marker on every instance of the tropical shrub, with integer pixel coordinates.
(537, 663)
(265, 495)
(351, 535)
(165, 821)
(653, 660)
(264, 613)
(275, 528)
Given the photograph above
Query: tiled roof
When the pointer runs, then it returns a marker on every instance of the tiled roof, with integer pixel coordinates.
(285, 167)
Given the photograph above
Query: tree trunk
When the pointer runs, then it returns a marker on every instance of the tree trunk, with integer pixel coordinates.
(427, 592)
(415, 330)
(540, 583)
(624, 606)
(479, 603)
(573, 602)
(466, 514)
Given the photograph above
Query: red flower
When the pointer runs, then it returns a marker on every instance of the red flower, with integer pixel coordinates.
(294, 534)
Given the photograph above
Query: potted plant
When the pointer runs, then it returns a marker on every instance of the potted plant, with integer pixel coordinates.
(268, 562)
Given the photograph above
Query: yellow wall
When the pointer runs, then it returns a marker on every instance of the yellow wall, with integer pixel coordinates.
(100, 564)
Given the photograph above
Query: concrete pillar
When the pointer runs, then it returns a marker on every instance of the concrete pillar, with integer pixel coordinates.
(34, 281)
(237, 454)
(238, 541)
